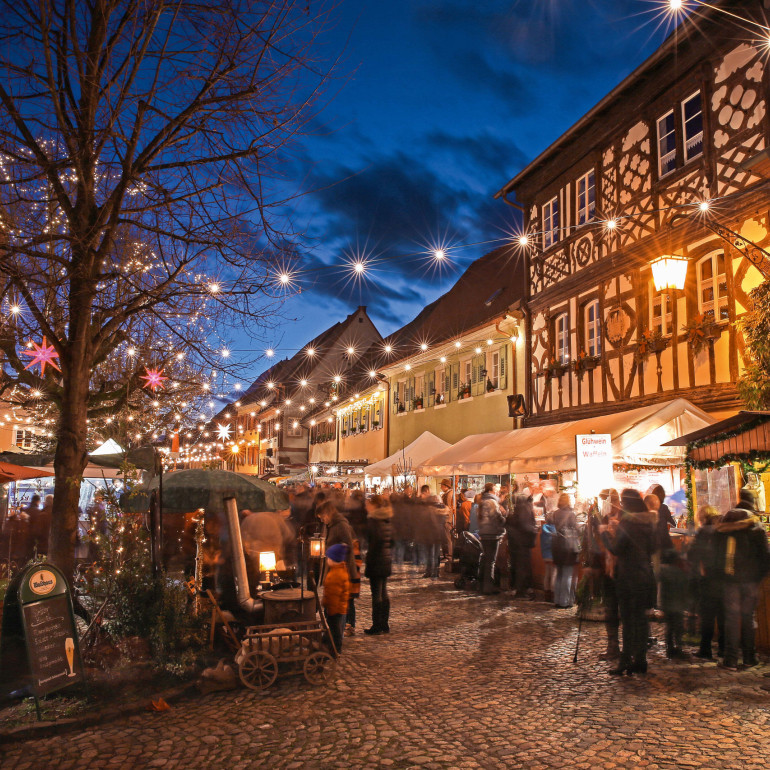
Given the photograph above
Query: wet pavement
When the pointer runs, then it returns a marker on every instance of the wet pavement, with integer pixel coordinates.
(462, 681)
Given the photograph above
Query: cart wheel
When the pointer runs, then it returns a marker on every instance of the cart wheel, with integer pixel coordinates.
(319, 667)
(258, 670)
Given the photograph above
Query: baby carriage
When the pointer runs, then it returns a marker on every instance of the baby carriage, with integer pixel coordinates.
(470, 561)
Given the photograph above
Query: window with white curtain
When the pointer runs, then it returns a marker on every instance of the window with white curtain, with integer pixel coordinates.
(712, 286)
(593, 329)
(561, 326)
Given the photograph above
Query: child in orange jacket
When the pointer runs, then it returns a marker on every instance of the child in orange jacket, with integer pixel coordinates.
(336, 591)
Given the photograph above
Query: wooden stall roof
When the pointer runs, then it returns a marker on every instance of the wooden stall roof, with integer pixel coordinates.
(728, 425)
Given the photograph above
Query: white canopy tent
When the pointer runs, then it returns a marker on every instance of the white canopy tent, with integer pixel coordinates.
(109, 447)
(424, 446)
(638, 436)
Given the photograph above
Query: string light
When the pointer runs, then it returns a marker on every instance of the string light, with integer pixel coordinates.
(269, 352)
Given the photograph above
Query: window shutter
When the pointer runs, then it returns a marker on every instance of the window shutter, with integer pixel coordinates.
(477, 382)
(430, 388)
(455, 379)
(504, 367)
(447, 383)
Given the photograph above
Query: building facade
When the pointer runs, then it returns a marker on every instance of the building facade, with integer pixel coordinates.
(269, 429)
(668, 172)
(451, 369)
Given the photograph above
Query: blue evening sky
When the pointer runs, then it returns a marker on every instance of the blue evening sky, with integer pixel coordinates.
(433, 107)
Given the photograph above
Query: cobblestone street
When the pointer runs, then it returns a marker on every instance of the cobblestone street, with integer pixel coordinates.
(462, 681)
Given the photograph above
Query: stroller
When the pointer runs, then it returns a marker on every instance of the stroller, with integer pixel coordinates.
(470, 561)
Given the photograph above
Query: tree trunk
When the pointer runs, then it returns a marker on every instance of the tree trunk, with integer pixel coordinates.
(69, 463)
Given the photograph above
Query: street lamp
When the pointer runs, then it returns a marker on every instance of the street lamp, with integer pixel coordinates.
(669, 272)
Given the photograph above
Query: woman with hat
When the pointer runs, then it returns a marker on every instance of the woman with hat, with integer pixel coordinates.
(633, 545)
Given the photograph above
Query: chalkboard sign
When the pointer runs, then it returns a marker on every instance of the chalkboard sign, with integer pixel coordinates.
(39, 644)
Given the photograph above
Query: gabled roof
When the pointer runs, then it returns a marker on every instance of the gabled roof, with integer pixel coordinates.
(484, 292)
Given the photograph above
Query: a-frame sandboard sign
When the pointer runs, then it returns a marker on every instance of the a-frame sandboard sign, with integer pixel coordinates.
(39, 648)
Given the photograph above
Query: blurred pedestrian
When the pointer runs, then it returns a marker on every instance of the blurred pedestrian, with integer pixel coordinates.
(355, 591)
(378, 562)
(633, 545)
(566, 546)
(743, 559)
(521, 529)
(674, 600)
(491, 529)
(707, 583)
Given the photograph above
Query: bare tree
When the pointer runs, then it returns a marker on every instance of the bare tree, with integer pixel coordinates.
(140, 142)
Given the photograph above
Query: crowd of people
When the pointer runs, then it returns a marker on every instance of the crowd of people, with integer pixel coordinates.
(630, 562)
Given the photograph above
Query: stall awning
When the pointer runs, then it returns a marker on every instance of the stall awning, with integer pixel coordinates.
(424, 446)
(638, 438)
(732, 423)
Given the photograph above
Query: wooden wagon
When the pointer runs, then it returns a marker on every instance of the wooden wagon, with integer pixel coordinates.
(286, 648)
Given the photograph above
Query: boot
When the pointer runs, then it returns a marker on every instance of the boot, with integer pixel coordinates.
(385, 616)
(376, 627)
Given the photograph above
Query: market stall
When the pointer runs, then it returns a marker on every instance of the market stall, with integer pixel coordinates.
(408, 458)
(723, 458)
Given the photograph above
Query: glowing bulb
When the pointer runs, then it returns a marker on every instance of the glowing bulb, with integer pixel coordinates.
(610, 224)
(523, 240)
(372, 373)
(337, 378)
(15, 309)
(310, 352)
(351, 350)
(458, 344)
(225, 353)
(477, 350)
(270, 385)
(423, 347)
(284, 278)
(703, 205)
(489, 342)
(439, 254)
(131, 352)
(295, 424)
(359, 267)
(408, 367)
(675, 5)
(269, 352)
(443, 359)
(389, 348)
(214, 288)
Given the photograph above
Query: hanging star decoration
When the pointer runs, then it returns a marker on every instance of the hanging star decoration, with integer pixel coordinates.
(154, 378)
(223, 431)
(42, 354)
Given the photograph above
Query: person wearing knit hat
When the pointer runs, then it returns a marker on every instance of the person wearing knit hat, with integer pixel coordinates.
(633, 545)
(336, 592)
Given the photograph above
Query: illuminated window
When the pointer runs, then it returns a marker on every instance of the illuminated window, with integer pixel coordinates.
(493, 368)
(551, 222)
(712, 286)
(660, 311)
(593, 329)
(562, 338)
(586, 198)
(666, 144)
(23, 438)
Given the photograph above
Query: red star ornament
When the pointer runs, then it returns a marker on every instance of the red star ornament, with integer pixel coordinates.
(42, 354)
(154, 378)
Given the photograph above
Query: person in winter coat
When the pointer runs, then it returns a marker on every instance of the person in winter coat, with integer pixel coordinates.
(522, 535)
(378, 562)
(633, 546)
(742, 560)
(338, 530)
(564, 554)
(491, 529)
(336, 592)
(708, 586)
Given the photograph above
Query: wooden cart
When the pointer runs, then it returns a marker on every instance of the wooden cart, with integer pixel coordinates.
(288, 648)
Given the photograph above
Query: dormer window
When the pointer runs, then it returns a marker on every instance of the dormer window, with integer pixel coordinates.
(551, 222)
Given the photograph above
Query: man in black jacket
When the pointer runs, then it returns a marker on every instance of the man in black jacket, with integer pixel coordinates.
(742, 559)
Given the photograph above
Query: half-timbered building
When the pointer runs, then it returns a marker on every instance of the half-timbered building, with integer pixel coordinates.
(667, 173)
